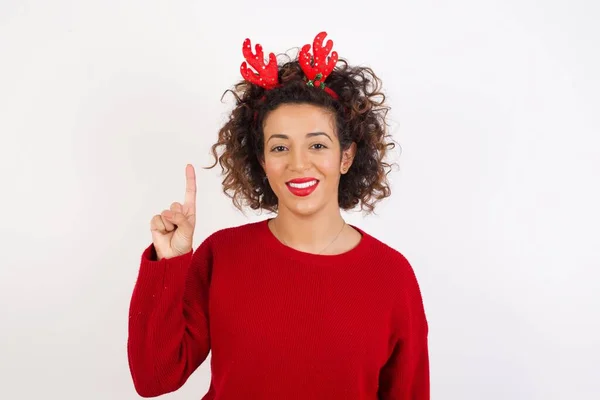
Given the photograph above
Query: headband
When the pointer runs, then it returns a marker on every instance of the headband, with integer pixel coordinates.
(266, 75)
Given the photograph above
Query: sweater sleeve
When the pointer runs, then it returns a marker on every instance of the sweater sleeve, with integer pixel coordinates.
(405, 375)
(168, 320)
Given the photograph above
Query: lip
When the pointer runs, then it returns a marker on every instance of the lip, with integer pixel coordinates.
(303, 180)
(302, 192)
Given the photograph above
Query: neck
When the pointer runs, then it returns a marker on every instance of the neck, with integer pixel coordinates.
(310, 233)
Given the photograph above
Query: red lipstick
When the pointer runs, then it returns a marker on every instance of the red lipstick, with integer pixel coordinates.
(302, 186)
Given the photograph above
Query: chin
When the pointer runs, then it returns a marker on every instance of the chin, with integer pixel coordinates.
(304, 207)
(304, 210)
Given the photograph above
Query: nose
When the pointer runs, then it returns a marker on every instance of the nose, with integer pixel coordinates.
(299, 160)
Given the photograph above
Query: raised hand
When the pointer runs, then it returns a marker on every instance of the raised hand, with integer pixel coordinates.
(173, 229)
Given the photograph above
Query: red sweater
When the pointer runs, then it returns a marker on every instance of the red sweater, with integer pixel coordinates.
(281, 324)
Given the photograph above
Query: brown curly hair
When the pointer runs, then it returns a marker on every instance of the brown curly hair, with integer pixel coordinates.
(360, 114)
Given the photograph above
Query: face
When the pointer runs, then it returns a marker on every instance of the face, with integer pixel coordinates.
(302, 158)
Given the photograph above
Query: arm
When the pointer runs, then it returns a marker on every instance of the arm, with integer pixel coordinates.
(168, 320)
(405, 376)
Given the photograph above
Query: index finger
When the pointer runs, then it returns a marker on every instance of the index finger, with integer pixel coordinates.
(190, 187)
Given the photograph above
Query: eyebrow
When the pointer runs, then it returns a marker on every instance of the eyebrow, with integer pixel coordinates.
(308, 135)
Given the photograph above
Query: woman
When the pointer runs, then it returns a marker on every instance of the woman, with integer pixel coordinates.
(303, 305)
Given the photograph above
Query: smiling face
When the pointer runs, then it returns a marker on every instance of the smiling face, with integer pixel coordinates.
(302, 158)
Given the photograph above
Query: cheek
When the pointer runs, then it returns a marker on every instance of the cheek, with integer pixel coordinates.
(329, 165)
(274, 166)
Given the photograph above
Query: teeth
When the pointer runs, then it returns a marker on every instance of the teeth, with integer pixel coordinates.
(303, 185)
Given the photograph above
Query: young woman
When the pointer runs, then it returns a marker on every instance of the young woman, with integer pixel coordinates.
(302, 305)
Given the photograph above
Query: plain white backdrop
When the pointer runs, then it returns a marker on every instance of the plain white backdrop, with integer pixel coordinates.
(495, 202)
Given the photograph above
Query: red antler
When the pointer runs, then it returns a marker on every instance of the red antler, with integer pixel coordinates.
(267, 73)
(321, 67)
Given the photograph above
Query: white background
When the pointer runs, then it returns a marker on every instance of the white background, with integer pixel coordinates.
(494, 104)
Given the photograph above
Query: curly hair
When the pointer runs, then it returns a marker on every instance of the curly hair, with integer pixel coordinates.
(360, 114)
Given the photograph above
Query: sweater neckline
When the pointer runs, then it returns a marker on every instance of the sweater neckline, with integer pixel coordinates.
(291, 253)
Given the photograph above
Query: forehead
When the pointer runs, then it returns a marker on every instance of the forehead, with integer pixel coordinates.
(299, 119)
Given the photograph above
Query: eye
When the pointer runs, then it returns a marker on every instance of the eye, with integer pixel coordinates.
(278, 149)
(319, 146)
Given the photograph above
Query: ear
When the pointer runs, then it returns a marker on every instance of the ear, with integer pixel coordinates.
(347, 158)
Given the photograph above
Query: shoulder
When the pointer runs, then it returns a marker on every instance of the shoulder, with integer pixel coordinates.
(401, 281)
(234, 235)
(400, 276)
(246, 229)
(386, 254)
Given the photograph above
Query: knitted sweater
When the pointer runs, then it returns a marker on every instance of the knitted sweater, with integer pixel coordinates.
(281, 323)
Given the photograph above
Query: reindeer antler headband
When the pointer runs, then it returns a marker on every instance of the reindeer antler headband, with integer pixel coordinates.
(266, 75)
